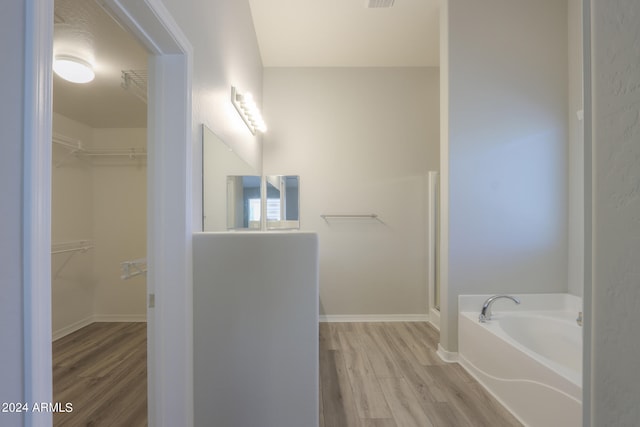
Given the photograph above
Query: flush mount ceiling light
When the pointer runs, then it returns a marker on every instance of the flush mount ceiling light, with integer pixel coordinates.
(248, 110)
(73, 69)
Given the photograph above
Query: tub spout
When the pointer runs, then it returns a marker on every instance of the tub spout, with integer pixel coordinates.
(485, 313)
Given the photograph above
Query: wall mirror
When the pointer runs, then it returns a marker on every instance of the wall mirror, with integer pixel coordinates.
(282, 208)
(218, 162)
(244, 202)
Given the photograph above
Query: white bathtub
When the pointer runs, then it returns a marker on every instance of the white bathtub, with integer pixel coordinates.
(529, 356)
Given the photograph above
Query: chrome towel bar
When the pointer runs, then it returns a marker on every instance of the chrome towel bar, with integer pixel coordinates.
(326, 216)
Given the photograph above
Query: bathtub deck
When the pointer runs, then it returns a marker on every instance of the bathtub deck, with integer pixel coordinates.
(388, 375)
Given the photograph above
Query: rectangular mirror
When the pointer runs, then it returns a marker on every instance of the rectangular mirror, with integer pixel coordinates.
(244, 202)
(218, 162)
(282, 202)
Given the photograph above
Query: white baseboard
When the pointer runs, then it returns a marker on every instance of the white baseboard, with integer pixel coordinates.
(447, 356)
(434, 318)
(120, 318)
(370, 318)
(69, 329)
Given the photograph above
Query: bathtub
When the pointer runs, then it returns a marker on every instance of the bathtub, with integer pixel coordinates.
(529, 356)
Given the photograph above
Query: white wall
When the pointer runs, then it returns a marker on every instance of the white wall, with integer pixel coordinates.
(362, 141)
(72, 218)
(225, 54)
(12, 22)
(507, 148)
(103, 200)
(119, 188)
(615, 336)
(576, 151)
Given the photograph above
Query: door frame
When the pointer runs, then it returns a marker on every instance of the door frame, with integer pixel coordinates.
(169, 211)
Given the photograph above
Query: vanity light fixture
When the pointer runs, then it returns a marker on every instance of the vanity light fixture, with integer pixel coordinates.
(73, 69)
(248, 110)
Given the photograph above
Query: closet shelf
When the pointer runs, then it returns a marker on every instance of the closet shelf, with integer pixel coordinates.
(133, 268)
(74, 246)
(75, 149)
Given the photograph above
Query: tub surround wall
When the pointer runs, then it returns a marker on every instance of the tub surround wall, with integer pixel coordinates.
(362, 140)
(614, 336)
(506, 150)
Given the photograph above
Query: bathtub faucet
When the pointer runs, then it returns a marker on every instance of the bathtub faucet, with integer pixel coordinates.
(485, 314)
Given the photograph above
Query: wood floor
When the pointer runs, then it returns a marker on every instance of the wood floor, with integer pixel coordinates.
(371, 375)
(388, 375)
(102, 371)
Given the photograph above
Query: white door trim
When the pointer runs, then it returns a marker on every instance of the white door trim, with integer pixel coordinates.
(170, 367)
(36, 208)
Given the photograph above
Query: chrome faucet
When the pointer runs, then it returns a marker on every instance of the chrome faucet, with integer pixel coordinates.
(485, 313)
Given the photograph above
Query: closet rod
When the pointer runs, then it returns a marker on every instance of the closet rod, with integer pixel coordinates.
(76, 147)
(81, 249)
(77, 246)
(131, 153)
(74, 144)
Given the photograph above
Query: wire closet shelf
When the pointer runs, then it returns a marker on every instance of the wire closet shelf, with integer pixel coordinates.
(76, 149)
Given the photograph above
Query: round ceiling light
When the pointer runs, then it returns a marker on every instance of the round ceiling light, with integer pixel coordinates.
(73, 69)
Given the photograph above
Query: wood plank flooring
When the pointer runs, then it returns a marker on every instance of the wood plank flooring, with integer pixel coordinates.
(101, 370)
(371, 375)
(389, 375)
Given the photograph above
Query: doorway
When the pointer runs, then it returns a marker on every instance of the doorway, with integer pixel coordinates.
(98, 224)
(168, 219)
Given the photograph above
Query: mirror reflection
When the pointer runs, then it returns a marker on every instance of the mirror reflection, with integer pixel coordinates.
(244, 205)
(282, 201)
(218, 162)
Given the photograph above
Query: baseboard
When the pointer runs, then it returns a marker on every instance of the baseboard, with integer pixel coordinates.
(120, 318)
(69, 329)
(434, 318)
(63, 332)
(370, 318)
(447, 356)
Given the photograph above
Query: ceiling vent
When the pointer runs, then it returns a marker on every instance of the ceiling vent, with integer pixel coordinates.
(379, 3)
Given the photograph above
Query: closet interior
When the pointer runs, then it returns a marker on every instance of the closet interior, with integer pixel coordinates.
(98, 225)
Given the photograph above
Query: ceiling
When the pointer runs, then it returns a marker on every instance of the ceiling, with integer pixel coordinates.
(290, 33)
(83, 28)
(345, 33)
